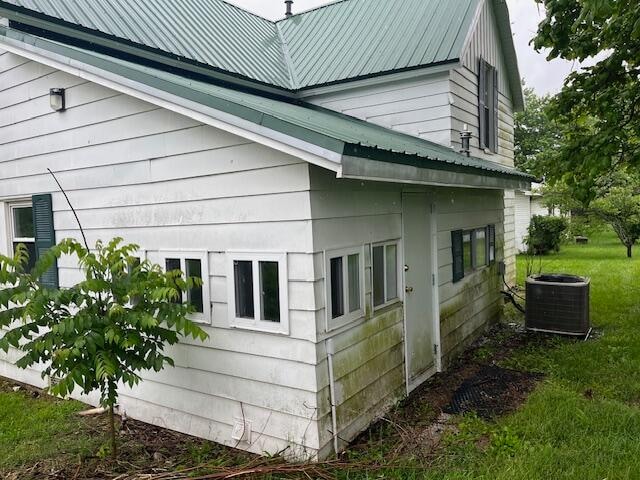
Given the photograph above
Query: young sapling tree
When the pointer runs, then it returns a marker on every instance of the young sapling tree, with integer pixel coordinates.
(102, 332)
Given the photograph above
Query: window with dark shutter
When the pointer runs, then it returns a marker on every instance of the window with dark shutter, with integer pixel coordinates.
(458, 255)
(45, 235)
(488, 106)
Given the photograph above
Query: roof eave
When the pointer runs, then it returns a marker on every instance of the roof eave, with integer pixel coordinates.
(510, 55)
(391, 171)
(287, 137)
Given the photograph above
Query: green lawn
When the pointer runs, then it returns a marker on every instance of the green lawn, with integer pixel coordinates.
(582, 422)
(34, 429)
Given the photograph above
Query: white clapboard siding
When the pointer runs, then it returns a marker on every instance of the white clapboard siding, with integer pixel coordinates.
(166, 182)
(369, 358)
(468, 305)
(522, 205)
(510, 236)
(419, 107)
(484, 43)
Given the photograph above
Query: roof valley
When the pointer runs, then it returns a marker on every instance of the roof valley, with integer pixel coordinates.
(293, 76)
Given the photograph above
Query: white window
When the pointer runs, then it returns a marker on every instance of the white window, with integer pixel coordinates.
(344, 277)
(196, 265)
(257, 288)
(385, 274)
(22, 229)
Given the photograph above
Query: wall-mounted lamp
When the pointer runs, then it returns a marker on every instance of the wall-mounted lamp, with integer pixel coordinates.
(56, 99)
(465, 138)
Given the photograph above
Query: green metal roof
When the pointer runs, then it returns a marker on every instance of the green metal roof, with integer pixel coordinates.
(315, 125)
(356, 38)
(343, 40)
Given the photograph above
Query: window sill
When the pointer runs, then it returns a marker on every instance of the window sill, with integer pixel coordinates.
(387, 305)
(239, 324)
(334, 324)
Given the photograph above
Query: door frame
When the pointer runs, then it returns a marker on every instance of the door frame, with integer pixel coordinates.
(435, 296)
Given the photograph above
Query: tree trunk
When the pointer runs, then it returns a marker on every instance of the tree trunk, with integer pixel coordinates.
(112, 433)
(629, 251)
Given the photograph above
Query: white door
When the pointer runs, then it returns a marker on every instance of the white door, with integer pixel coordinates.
(420, 326)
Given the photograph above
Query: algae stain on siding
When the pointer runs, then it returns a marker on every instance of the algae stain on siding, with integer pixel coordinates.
(372, 368)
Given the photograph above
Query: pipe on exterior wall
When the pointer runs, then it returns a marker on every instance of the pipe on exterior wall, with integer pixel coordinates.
(332, 393)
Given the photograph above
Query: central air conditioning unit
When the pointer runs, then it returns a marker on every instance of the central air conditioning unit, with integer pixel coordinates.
(558, 303)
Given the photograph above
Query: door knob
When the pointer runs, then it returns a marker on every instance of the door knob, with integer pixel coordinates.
(408, 289)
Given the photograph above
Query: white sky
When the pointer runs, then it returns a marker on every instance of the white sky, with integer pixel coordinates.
(545, 77)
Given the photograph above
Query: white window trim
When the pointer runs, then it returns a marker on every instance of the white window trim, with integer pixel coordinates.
(399, 273)
(256, 324)
(205, 317)
(12, 225)
(349, 317)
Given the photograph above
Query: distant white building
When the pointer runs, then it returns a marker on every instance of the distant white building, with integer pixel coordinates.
(529, 203)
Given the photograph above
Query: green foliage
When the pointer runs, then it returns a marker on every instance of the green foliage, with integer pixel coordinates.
(536, 135)
(102, 331)
(618, 204)
(601, 103)
(545, 234)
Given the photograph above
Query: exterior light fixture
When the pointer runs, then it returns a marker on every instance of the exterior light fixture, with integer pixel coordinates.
(465, 137)
(56, 99)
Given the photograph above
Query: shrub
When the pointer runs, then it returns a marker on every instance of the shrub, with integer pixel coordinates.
(545, 234)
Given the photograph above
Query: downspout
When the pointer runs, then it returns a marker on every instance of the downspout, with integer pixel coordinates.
(332, 393)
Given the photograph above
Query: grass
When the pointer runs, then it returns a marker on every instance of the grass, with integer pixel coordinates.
(32, 429)
(582, 422)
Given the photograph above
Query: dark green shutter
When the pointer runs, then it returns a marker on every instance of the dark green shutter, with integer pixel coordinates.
(45, 234)
(482, 87)
(457, 250)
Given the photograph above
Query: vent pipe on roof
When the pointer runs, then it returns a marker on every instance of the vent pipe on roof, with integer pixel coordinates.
(289, 4)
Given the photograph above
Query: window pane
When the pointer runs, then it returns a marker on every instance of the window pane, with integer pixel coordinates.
(172, 264)
(392, 272)
(243, 276)
(31, 248)
(270, 291)
(466, 246)
(378, 276)
(337, 288)
(194, 295)
(354, 282)
(481, 248)
(23, 222)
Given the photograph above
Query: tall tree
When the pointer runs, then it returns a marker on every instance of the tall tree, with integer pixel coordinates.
(536, 135)
(600, 102)
(618, 204)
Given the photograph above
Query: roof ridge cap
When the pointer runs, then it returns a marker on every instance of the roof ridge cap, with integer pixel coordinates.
(245, 10)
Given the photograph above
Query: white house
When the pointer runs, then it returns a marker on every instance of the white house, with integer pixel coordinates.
(528, 204)
(308, 169)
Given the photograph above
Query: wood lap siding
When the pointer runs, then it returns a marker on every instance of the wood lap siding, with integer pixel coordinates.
(484, 43)
(167, 182)
(467, 306)
(418, 107)
(369, 359)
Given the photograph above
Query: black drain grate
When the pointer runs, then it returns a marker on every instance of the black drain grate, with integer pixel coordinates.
(492, 392)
